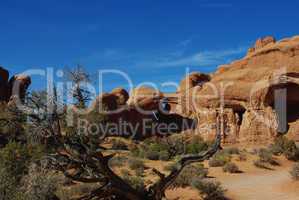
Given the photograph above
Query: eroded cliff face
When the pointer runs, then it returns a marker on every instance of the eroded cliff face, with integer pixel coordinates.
(257, 96)
(12, 88)
(253, 92)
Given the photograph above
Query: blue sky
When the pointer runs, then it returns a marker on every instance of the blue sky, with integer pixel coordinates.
(151, 40)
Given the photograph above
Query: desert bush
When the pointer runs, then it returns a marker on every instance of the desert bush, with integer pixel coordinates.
(40, 184)
(242, 157)
(291, 151)
(137, 183)
(160, 149)
(136, 164)
(152, 155)
(136, 151)
(124, 173)
(15, 159)
(231, 151)
(170, 167)
(267, 157)
(9, 188)
(119, 145)
(139, 172)
(196, 145)
(117, 161)
(254, 151)
(209, 190)
(295, 172)
(67, 193)
(288, 148)
(231, 168)
(278, 147)
(219, 159)
(189, 174)
(261, 164)
(164, 156)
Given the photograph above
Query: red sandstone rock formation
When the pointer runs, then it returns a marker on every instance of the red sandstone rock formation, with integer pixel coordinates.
(194, 79)
(13, 88)
(252, 87)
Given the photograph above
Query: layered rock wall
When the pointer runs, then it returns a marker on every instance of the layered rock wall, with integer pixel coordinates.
(259, 94)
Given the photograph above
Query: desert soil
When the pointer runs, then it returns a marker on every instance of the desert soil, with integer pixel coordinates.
(252, 184)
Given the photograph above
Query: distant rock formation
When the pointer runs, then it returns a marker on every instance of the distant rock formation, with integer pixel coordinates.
(254, 89)
(142, 111)
(192, 80)
(13, 88)
(145, 98)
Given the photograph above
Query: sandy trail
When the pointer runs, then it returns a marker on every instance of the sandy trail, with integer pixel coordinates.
(253, 184)
(260, 187)
(258, 184)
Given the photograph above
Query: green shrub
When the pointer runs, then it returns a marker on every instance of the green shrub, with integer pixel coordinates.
(190, 173)
(9, 187)
(117, 161)
(278, 147)
(170, 167)
(67, 193)
(288, 148)
(219, 159)
(152, 155)
(136, 182)
(119, 145)
(164, 156)
(242, 157)
(136, 164)
(209, 190)
(231, 151)
(291, 151)
(40, 184)
(196, 146)
(295, 172)
(231, 168)
(124, 173)
(137, 152)
(139, 172)
(160, 149)
(14, 162)
(266, 157)
(15, 159)
(261, 164)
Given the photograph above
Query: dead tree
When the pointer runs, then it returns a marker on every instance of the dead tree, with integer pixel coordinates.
(78, 76)
(90, 165)
(82, 160)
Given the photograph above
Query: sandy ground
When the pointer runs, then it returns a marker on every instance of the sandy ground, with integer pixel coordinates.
(259, 184)
(252, 184)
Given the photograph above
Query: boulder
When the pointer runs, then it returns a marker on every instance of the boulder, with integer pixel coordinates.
(264, 41)
(13, 88)
(121, 94)
(4, 75)
(18, 86)
(194, 79)
(3, 84)
(111, 101)
(145, 98)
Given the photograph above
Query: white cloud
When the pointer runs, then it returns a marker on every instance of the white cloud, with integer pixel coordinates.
(204, 58)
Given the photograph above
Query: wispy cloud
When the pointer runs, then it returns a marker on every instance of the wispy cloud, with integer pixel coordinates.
(212, 58)
(204, 58)
(185, 43)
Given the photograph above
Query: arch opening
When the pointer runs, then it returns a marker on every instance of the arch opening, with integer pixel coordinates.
(284, 100)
